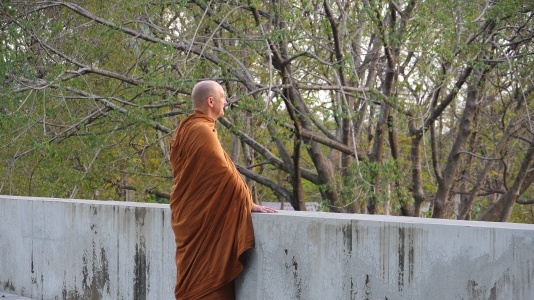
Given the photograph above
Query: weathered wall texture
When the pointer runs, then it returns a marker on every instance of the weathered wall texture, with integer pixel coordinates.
(80, 249)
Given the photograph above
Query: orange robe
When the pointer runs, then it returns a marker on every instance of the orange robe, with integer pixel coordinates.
(211, 210)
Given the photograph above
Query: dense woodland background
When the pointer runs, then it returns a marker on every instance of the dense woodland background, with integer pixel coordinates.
(414, 108)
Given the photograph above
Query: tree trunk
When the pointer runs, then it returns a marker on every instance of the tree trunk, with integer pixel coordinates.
(467, 204)
(466, 169)
(406, 208)
(500, 211)
(441, 199)
(417, 174)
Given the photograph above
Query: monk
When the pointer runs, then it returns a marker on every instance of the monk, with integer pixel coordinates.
(210, 203)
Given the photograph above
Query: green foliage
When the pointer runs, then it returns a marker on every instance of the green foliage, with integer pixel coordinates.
(87, 105)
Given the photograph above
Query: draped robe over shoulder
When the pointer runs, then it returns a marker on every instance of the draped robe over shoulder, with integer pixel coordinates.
(211, 210)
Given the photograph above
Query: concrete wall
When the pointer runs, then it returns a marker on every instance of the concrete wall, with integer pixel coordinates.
(80, 249)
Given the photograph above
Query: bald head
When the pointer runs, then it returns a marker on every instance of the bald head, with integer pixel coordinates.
(208, 96)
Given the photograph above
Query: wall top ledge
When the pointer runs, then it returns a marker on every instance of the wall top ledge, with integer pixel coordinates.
(85, 201)
(401, 220)
(300, 214)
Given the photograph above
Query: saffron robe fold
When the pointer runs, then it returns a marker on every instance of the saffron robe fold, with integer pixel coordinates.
(211, 210)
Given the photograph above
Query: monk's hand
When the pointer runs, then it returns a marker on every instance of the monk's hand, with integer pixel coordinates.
(262, 209)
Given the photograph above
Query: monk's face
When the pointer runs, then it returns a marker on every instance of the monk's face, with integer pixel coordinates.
(219, 100)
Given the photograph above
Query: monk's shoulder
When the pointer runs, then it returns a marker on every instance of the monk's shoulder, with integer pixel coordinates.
(201, 127)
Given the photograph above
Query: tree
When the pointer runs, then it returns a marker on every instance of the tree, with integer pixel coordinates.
(333, 100)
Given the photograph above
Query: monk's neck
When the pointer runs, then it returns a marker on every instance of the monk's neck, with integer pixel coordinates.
(203, 113)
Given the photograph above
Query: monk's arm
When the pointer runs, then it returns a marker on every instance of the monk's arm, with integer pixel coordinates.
(213, 153)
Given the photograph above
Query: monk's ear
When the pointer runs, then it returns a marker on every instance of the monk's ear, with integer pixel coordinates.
(210, 101)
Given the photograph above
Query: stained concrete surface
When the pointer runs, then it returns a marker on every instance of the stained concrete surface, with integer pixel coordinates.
(6, 296)
(82, 249)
